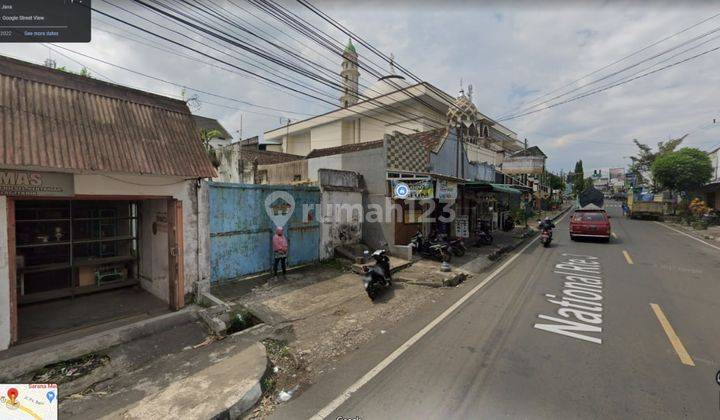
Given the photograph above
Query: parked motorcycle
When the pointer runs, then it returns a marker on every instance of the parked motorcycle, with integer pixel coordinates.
(484, 237)
(377, 277)
(435, 250)
(456, 246)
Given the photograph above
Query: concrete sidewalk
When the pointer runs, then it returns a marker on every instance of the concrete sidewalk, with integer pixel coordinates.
(153, 378)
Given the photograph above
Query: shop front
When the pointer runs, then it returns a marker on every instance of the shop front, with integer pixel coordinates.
(98, 207)
(488, 203)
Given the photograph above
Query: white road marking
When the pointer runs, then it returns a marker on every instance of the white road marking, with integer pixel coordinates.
(688, 235)
(340, 399)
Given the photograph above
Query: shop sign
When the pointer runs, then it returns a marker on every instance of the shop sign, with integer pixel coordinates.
(446, 190)
(412, 189)
(462, 228)
(531, 165)
(32, 183)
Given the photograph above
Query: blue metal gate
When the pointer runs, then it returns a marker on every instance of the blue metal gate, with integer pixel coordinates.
(241, 229)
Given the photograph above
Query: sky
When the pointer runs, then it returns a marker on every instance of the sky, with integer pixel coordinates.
(511, 52)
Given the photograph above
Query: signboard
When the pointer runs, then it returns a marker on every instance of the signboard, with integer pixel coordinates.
(523, 165)
(412, 189)
(462, 229)
(36, 184)
(446, 190)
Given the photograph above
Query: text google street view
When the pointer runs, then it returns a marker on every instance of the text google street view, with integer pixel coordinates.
(335, 210)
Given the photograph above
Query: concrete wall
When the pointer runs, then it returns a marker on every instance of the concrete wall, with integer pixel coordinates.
(4, 278)
(371, 165)
(324, 162)
(326, 135)
(341, 221)
(298, 144)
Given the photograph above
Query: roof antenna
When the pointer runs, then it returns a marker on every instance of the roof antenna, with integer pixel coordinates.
(470, 92)
(392, 63)
(462, 91)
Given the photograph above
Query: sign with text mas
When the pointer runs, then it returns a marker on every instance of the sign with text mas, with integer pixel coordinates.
(36, 184)
(412, 189)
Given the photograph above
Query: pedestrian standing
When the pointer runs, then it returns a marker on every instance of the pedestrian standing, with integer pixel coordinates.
(280, 249)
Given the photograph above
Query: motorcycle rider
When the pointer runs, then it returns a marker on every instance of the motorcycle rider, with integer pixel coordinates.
(548, 225)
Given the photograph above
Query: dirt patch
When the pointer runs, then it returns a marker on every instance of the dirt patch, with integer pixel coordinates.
(330, 315)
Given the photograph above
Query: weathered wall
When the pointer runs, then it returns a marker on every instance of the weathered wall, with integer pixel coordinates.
(241, 230)
(4, 278)
(341, 221)
(285, 173)
(341, 210)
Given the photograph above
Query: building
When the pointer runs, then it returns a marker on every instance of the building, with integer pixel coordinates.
(98, 193)
(391, 104)
(248, 164)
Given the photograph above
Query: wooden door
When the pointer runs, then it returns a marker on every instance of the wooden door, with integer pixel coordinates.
(176, 264)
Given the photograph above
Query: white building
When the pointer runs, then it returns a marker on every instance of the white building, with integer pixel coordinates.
(390, 104)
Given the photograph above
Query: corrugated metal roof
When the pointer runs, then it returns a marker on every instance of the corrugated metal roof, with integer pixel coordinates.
(51, 119)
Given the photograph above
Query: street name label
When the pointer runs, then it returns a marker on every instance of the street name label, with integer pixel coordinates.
(579, 312)
(44, 21)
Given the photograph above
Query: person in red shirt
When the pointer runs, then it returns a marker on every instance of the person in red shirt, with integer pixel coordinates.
(280, 249)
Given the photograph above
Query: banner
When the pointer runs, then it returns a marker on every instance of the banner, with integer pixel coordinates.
(446, 190)
(412, 189)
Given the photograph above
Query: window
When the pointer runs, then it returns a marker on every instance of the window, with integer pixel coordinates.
(588, 217)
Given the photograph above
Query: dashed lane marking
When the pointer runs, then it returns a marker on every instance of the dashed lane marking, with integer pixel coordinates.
(674, 339)
(627, 257)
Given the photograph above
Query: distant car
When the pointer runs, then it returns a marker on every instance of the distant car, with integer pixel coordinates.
(590, 223)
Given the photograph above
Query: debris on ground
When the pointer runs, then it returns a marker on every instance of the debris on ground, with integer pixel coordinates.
(69, 370)
(289, 373)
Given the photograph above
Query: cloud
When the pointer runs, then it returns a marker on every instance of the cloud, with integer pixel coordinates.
(510, 53)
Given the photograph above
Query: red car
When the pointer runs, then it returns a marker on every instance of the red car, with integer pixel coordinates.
(592, 223)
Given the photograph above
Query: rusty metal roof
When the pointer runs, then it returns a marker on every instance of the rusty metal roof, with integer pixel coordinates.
(50, 119)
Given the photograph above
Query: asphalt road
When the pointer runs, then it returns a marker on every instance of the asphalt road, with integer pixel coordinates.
(645, 343)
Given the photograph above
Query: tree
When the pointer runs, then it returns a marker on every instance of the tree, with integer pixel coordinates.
(686, 170)
(578, 179)
(206, 136)
(646, 157)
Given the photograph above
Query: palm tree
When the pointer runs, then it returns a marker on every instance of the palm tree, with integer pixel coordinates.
(206, 136)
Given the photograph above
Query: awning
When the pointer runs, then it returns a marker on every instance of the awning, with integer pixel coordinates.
(488, 186)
